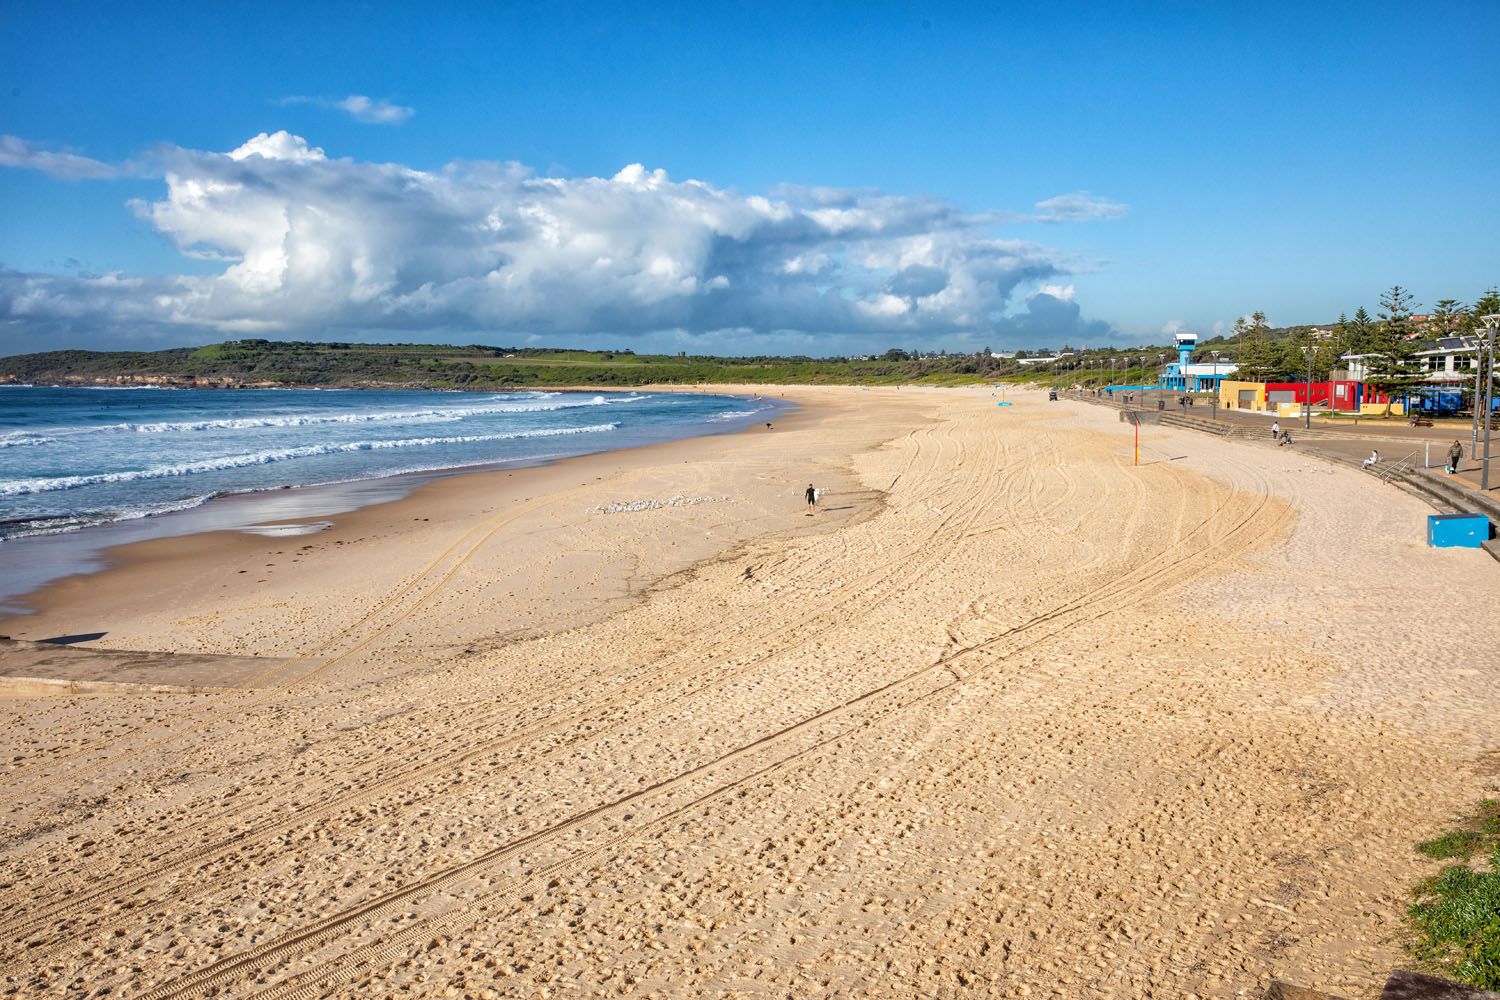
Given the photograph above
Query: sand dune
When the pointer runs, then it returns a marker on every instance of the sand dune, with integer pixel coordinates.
(1011, 717)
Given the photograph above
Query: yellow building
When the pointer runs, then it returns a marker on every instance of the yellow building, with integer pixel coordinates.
(1242, 396)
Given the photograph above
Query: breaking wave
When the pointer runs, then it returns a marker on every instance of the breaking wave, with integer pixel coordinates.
(440, 414)
(48, 484)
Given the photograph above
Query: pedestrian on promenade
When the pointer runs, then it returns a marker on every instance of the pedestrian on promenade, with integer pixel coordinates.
(1455, 456)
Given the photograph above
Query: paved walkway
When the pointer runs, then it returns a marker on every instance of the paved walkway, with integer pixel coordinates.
(1343, 440)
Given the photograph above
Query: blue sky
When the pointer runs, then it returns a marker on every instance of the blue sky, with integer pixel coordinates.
(871, 174)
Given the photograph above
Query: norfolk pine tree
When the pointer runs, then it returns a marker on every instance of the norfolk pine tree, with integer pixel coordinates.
(1395, 369)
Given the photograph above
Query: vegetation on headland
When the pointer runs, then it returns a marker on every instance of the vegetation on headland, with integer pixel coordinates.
(1456, 916)
(1263, 353)
(412, 366)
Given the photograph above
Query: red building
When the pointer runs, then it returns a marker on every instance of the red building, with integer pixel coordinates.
(1340, 395)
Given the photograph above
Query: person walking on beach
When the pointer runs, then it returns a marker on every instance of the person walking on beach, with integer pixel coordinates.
(1455, 456)
(1275, 429)
(812, 499)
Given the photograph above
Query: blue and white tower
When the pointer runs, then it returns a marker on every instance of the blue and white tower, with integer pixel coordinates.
(1187, 343)
(1182, 374)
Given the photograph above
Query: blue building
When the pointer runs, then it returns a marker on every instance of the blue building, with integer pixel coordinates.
(1183, 375)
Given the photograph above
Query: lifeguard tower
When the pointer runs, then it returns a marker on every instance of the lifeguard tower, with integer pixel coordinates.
(1185, 376)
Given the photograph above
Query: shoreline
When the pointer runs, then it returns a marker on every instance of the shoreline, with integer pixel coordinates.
(137, 574)
(318, 503)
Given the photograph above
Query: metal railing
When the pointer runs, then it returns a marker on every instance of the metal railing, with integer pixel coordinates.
(1385, 473)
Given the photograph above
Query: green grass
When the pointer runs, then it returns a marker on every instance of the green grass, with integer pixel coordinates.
(1453, 844)
(1456, 915)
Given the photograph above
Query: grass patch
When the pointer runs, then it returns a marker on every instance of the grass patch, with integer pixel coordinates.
(1453, 844)
(1456, 915)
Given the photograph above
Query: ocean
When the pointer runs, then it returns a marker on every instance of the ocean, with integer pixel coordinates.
(82, 469)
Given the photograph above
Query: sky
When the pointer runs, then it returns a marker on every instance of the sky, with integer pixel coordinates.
(736, 178)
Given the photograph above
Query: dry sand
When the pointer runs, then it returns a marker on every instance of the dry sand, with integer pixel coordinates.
(1011, 716)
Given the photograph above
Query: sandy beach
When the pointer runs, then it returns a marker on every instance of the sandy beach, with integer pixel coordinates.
(1009, 716)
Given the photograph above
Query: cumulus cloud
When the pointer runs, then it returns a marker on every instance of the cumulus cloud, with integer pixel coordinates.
(359, 107)
(1051, 317)
(1080, 206)
(16, 152)
(313, 246)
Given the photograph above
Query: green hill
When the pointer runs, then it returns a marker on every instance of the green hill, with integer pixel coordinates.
(292, 363)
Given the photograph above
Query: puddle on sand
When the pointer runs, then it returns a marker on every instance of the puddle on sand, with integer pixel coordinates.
(286, 530)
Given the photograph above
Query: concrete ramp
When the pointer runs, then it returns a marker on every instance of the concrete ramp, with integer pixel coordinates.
(39, 669)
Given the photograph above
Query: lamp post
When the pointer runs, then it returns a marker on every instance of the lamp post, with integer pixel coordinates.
(1478, 382)
(1491, 324)
(1311, 353)
(1215, 400)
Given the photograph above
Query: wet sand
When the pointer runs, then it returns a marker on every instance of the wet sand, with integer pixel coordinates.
(1011, 716)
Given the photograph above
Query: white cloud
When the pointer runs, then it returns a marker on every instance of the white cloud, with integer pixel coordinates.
(278, 146)
(312, 246)
(380, 112)
(16, 152)
(359, 107)
(1080, 206)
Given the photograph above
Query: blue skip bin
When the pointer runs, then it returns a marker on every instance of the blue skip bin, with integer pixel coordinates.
(1466, 531)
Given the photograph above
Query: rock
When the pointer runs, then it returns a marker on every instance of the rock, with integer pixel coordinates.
(1415, 986)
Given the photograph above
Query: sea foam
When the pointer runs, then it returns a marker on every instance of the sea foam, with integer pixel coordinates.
(48, 484)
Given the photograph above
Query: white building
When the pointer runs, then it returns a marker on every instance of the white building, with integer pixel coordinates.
(1448, 360)
(1044, 361)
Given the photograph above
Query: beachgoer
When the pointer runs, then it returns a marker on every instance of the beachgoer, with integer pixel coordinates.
(1284, 440)
(768, 425)
(1372, 460)
(1275, 429)
(1455, 456)
(812, 499)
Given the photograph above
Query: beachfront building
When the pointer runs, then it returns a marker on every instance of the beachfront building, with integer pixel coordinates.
(1044, 361)
(1447, 360)
(1446, 370)
(1183, 375)
(1290, 398)
(1341, 395)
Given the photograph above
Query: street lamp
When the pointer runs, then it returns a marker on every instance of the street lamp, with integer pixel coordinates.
(1491, 324)
(1215, 400)
(1478, 383)
(1311, 353)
